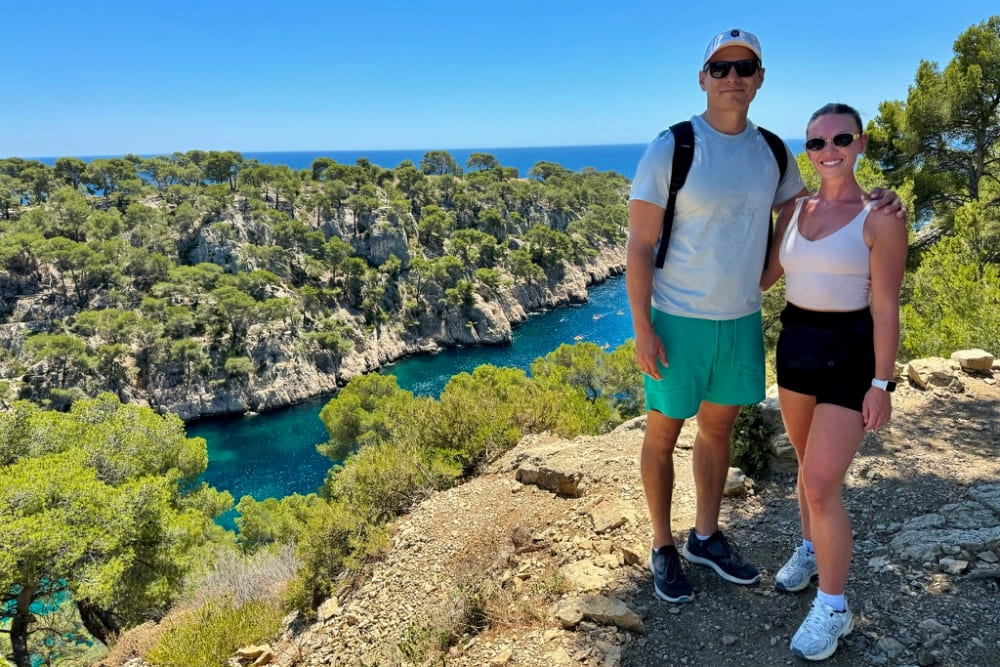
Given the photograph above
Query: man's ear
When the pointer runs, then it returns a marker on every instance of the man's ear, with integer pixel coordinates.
(760, 82)
(701, 79)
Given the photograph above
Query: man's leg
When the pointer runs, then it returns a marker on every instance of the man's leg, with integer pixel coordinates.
(706, 545)
(710, 462)
(737, 378)
(657, 467)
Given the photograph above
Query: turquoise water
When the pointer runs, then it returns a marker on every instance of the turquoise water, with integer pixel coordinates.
(273, 455)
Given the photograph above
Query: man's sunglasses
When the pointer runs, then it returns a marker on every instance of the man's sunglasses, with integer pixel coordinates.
(840, 141)
(719, 69)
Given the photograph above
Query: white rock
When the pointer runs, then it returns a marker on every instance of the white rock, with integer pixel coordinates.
(953, 565)
(974, 360)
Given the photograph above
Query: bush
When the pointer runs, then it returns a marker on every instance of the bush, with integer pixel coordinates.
(749, 441)
(244, 578)
(208, 636)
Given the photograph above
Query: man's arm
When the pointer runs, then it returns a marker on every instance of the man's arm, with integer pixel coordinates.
(645, 223)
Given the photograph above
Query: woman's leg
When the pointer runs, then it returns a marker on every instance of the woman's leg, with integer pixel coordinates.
(797, 413)
(834, 437)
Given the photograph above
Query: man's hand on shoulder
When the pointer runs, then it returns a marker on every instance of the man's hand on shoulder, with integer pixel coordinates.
(888, 202)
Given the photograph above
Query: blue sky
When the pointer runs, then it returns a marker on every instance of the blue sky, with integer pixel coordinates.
(147, 76)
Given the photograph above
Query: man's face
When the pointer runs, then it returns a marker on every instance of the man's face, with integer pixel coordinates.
(731, 91)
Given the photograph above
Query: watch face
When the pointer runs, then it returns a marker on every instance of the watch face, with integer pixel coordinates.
(890, 386)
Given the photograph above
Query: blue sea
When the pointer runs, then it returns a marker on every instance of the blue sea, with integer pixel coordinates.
(620, 158)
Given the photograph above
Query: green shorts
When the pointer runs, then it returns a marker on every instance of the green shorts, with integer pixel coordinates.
(719, 361)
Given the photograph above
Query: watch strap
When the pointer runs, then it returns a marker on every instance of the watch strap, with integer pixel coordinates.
(884, 385)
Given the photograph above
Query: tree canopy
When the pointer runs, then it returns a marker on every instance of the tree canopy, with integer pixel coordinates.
(941, 149)
(98, 506)
(944, 140)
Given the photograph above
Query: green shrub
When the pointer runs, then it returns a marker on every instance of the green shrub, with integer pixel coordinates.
(749, 441)
(208, 636)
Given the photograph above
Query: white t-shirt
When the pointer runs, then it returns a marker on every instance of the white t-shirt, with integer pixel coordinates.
(716, 250)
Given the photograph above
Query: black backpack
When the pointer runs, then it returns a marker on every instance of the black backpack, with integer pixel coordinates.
(683, 157)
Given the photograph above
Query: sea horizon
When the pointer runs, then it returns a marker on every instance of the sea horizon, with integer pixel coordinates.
(620, 158)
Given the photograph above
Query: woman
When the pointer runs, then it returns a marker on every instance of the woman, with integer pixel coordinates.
(836, 357)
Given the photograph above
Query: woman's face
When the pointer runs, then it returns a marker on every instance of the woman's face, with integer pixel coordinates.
(833, 143)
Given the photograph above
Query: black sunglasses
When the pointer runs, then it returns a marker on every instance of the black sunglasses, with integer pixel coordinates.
(840, 140)
(719, 69)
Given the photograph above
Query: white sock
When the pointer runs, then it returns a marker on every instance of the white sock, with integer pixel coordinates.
(701, 538)
(808, 545)
(838, 602)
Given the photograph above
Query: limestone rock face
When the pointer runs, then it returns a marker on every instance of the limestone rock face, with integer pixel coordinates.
(287, 371)
(387, 238)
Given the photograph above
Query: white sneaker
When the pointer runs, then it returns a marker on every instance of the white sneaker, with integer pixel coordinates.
(819, 634)
(796, 573)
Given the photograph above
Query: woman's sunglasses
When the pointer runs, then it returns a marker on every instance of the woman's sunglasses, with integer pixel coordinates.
(840, 141)
(719, 69)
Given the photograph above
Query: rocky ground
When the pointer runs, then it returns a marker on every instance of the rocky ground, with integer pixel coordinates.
(541, 561)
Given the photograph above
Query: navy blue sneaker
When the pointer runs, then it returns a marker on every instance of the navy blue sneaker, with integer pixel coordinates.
(669, 581)
(720, 554)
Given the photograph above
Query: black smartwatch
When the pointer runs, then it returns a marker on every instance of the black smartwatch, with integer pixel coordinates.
(884, 385)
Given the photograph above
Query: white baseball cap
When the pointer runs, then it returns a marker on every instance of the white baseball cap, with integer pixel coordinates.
(733, 37)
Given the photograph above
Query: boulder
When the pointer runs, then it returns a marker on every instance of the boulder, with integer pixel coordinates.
(974, 360)
(609, 515)
(599, 609)
(781, 456)
(737, 484)
(931, 372)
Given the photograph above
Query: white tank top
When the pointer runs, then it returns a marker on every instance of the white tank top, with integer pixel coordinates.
(831, 274)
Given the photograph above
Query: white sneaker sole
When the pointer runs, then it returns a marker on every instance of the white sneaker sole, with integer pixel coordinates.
(832, 649)
(680, 599)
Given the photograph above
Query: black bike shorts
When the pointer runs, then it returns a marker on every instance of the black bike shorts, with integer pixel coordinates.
(829, 355)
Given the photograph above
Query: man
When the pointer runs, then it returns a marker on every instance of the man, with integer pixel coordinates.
(697, 319)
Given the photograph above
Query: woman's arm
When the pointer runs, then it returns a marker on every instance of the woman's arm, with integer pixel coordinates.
(887, 240)
(774, 269)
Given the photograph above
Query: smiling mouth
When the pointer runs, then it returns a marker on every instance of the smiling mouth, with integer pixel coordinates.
(830, 163)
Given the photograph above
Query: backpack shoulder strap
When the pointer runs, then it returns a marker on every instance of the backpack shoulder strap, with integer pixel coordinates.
(777, 147)
(683, 157)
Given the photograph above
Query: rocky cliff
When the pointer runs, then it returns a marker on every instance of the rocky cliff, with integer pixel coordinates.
(248, 316)
(288, 372)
